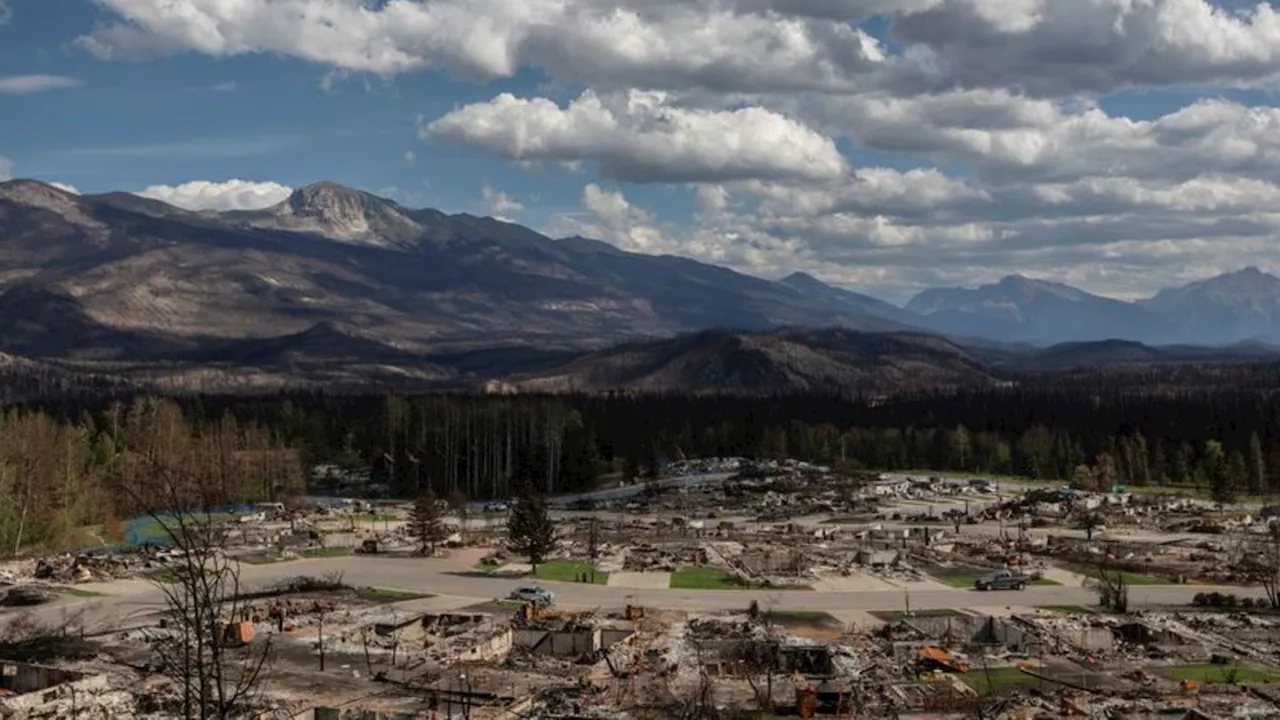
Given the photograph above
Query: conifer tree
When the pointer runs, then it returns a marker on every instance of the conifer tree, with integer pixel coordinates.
(531, 532)
(425, 522)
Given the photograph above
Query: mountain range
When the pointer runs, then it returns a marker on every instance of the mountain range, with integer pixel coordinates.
(337, 284)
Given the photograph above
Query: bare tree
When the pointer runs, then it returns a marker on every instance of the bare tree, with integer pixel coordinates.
(1112, 588)
(1262, 564)
(217, 675)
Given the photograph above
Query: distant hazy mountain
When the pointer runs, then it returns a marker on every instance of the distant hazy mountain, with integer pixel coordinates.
(1019, 309)
(1230, 308)
(784, 361)
(811, 287)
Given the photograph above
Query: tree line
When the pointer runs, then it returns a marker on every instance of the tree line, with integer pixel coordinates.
(62, 476)
(67, 464)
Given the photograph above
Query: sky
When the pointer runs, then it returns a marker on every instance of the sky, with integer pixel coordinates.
(886, 146)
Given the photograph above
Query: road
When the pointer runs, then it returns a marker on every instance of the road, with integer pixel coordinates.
(123, 600)
(622, 493)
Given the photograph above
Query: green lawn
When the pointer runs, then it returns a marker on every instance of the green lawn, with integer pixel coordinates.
(997, 680)
(966, 579)
(803, 618)
(895, 615)
(1135, 578)
(1219, 674)
(377, 594)
(697, 578)
(1066, 609)
(565, 571)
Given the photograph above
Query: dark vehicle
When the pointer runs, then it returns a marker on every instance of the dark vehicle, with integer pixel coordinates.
(1001, 580)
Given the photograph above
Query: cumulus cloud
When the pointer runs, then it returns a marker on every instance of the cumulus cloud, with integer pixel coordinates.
(986, 131)
(640, 137)
(500, 203)
(24, 84)
(228, 195)
(65, 187)
(6, 12)
(1037, 46)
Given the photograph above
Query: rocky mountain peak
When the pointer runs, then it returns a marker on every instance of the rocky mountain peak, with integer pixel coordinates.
(36, 194)
(344, 214)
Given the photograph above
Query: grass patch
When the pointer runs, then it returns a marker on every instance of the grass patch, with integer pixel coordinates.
(1221, 674)
(377, 594)
(1066, 609)
(895, 615)
(966, 579)
(698, 578)
(996, 680)
(1130, 577)
(327, 552)
(804, 618)
(565, 571)
(1136, 578)
(75, 591)
(496, 607)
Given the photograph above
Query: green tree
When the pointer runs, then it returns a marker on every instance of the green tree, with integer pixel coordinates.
(531, 532)
(1213, 465)
(426, 524)
(1257, 465)
(960, 448)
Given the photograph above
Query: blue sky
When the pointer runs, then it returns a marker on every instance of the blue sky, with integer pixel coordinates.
(257, 117)
(884, 145)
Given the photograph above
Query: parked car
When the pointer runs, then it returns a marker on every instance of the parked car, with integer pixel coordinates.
(534, 594)
(1001, 580)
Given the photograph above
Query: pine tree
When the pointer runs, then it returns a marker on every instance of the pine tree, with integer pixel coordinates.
(425, 522)
(531, 532)
(1257, 465)
(1216, 472)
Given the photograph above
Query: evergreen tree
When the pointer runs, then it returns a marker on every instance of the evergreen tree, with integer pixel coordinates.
(1257, 465)
(1214, 468)
(426, 525)
(531, 532)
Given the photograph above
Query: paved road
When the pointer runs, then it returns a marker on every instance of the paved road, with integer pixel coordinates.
(629, 491)
(123, 600)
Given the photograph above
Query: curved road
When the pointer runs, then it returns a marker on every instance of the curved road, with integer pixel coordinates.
(447, 580)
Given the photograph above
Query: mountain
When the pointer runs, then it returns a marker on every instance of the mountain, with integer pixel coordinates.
(1019, 309)
(811, 287)
(1238, 306)
(126, 277)
(784, 361)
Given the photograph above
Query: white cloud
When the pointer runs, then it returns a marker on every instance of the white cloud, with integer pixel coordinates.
(65, 187)
(641, 137)
(991, 115)
(6, 12)
(1040, 46)
(500, 203)
(411, 157)
(228, 195)
(24, 84)
(6, 169)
